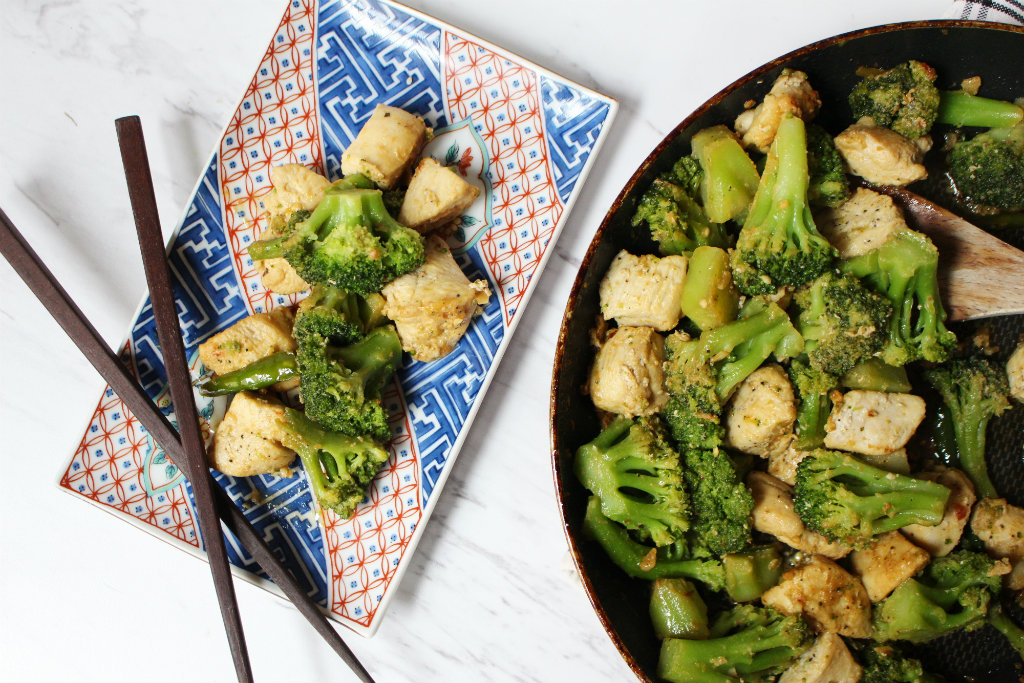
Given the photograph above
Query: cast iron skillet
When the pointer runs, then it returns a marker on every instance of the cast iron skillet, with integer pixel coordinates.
(957, 50)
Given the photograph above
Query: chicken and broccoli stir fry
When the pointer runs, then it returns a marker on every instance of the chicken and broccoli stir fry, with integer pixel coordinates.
(760, 380)
(380, 280)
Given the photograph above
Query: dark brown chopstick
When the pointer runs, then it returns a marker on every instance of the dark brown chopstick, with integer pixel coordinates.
(115, 373)
(168, 330)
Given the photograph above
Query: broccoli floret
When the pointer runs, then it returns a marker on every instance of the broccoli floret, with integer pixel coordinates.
(340, 467)
(729, 177)
(720, 501)
(677, 222)
(988, 170)
(680, 559)
(960, 108)
(634, 472)
(888, 664)
(746, 643)
(779, 238)
(828, 185)
(904, 270)
(903, 98)
(812, 389)
(701, 374)
(951, 593)
(340, 387)
(349, 241)
(337, 316)
(848, 500)
(974, 390)
(842, 321)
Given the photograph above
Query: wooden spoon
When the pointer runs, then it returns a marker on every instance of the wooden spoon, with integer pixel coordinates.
(979, 275)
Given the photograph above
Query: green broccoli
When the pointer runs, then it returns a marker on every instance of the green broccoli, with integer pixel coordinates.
(340, 467)
(888, 664)
(749, 573)
(987, 171)
(974, 390)
(813, 388)
(746, 643)
(903, 98)
(729, 178)
(1011, 631)
(349, 241)
(683, 558)
(677, 610)
(334, 315)
(677, 222)
(262, 373)
(848, 500)
(959, 108)
(701, 374)
(842, 322)
(827, 184)
(634, 472)
(720, 501)
(951, 593)
(340, 387)
(904, 269)
(779, 239)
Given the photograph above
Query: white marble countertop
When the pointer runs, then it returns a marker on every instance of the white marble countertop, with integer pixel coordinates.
(491, 593)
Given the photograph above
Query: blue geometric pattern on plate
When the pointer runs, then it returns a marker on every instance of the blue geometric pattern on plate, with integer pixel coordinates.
(570, 116)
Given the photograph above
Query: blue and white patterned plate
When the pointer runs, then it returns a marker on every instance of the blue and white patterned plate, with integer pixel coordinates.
(524, 136)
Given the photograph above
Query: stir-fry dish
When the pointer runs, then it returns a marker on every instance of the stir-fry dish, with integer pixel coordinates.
(370, 251)
(760, 379)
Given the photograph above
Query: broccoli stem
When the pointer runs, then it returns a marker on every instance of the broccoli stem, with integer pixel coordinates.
(677, 610)
(1002, 623)
(959, 108)
(709, 297)
(266, 249)
(727, 659)
(969, 425)
(874, 374)
(262, 373)
(749, 573)
(811, 417)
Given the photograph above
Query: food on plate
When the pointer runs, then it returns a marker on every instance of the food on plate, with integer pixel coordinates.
(377, 288)
(760, 381)
(435, 196)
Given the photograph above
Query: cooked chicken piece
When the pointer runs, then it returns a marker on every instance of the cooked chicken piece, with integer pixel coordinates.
(940, 540)
(760, 415)
(257, 336)
(827, 661)
(861, 224)
(897, 461)
(873, 422)
(889, 561)
(790, 94)
(830, 597)
(387, 145)
(436, 196)
(278, 276)
(783, 465)
(1015, 372)
(627, 377)
(1000, 526)
(248, 440)
(433, 305)
(774, 514)
(881, 156)
(643, 290)
(1015, 579)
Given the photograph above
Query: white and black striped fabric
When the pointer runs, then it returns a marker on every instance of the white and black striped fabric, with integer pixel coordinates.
(1003, 11)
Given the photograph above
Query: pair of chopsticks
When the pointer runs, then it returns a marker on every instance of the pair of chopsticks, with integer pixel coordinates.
(187, 448)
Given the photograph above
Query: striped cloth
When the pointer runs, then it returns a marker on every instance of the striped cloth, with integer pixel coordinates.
(1003, 11)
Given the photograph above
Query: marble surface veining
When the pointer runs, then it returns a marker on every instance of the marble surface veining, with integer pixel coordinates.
(490, 595)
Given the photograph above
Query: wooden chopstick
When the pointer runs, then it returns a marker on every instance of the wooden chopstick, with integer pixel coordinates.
(168, 329)
(114, 372)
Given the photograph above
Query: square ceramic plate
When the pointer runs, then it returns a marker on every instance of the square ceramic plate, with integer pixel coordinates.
(525, 136)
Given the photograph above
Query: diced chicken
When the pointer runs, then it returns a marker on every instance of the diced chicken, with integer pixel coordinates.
(881, 156)
(627, 377)
(433, 305)
(1000, 526)
(1015, 372)
(760, 415)
(940, 540)
(257, 336)
(783, 465)
(861, 224)
(643, 290)
(827, 661)
(436, 196)
(248, 440)
(889, 561)
(830, 597)
(1015, 579)
(897, 461)
(388, 144)
(774, 514)
(873, 422)
(278, 276)
(790, 94)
